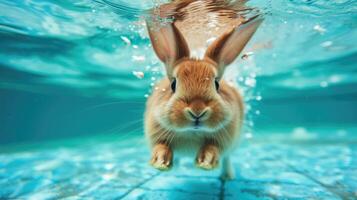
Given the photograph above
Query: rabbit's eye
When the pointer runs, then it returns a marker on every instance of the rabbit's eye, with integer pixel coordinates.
(216, 83)
(173, 85)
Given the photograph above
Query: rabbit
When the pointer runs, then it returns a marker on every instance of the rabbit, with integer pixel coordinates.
(194, 111)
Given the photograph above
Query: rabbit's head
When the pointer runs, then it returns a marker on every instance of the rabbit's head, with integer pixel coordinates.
(198, 99)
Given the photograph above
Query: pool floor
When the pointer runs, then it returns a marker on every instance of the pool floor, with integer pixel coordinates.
(267, 167)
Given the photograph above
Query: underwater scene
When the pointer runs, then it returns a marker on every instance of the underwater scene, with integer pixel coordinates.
(75, 76)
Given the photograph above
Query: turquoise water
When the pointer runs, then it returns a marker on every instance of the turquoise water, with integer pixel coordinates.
(74, 77)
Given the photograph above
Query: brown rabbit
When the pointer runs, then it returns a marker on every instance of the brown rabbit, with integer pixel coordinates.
(195, 110)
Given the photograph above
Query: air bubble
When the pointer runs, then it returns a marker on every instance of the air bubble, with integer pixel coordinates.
(250, 82)
(126, 40)
(138, 74)
(319, 29)
(108, 176)
(138, 58)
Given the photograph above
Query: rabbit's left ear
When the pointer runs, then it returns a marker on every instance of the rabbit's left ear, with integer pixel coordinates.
(168, 43)
(227, 47)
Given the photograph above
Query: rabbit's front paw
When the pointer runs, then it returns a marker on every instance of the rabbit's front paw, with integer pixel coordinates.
(208, 157)
(161, 157)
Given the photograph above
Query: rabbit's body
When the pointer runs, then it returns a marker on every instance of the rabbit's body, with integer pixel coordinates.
(193, 110)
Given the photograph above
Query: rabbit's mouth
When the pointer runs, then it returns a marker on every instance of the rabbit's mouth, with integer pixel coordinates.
(197, 124)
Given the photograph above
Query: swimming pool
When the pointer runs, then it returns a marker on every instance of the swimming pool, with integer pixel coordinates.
(75, 75)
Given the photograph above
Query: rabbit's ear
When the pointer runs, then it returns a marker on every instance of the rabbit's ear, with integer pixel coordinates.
(168, 43)
(227, 47)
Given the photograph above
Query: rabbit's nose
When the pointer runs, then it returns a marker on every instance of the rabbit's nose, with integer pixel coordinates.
(196, 115)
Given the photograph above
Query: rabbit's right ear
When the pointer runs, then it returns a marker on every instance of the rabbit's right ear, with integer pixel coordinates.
(168, 43)
(227, 47)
